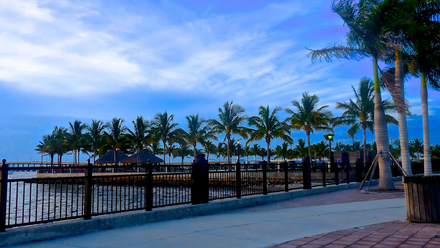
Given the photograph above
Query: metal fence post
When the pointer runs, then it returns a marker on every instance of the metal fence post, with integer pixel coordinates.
(200, 181)
(286, 177)
(88, 191)
(347, 173)
(149, 186)
(238, 179)
(264, 177)
(324, 172)
(307, 174)
(336, 174)
(3, 192)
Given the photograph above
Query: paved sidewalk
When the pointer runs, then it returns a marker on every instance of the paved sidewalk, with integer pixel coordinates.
(261, 226)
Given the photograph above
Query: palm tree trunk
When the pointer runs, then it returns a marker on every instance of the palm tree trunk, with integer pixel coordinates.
(195, 152)
(182, 160)
(426, 141)
(365, 146)
(401, 114)
(78, 155)
(309, 148)
(164, 154)
(381, 132)
(227, 147)
(268, 152)
(51, 159)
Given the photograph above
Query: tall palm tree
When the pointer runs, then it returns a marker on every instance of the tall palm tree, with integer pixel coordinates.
(164, 129)
(62, 142)
(230, 119)
(95, 132)
(77, 138)
(197, 132)
(138, 135)
(365, 39)
(425, 45)
(359, 113)
(115, 136)
(309, 117)
(268, 126)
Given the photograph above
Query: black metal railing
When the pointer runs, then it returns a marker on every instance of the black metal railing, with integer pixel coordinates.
(85, 191)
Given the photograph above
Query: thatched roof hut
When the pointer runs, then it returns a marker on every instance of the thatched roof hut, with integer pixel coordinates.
(109, 157)
(144, 156)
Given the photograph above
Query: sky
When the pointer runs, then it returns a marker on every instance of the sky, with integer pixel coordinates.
(62, 60)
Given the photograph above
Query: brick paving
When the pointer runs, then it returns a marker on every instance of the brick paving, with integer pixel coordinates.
(402, 234)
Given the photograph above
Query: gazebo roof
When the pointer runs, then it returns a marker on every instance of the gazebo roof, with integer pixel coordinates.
(144, 156)
(109, 158)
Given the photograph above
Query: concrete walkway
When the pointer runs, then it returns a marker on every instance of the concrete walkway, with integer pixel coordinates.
(254, 227)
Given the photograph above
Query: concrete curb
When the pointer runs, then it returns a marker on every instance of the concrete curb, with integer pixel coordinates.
(75, 227)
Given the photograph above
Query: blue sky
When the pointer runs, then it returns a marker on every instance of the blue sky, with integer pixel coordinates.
(62, 60)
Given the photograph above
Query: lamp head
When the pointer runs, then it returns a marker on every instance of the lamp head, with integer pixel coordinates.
(330, 137)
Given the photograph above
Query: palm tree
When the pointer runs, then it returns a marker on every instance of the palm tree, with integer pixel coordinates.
(246, 152)
(209, 148)
(62, 142)
(220, 150)
(309, 117)
(301, 148)
(321, 149)
(360, 112)
(268, 126)
(424, 37)
(138, 135)
(154, 147)
(365, 39)
(417, 146)
(229, 122)
(95, 132)
(182, 151)
(197, 132)
(283, 151)
(255, 150)
(47, 145)
(77, 138)
(115, 138)
(164, 129)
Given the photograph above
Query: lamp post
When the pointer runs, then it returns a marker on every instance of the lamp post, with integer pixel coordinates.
(74, 157)
(42, 159)
(169, 154)
(238, 150)
(330, 138)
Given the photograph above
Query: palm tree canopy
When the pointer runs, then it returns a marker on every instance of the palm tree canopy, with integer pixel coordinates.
(309, 116)
(163, 127)
(230, 119)
(268, 126)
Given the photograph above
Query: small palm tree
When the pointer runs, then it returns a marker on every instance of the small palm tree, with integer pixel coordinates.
(115, 137)
(183, 150)
(220, 150)
(95, 132)
(209, 148)
(138, 135)
(359, 113)
(416, 146)
(283, 151)
(301, 148)
(154, 146)
(268, 126)
(309, 117)
(230, 120)
(255, 150)
(164, 129)
(47, 145)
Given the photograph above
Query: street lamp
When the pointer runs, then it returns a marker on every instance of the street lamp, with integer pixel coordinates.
(238, 150)
(169, 155)
(330, 138)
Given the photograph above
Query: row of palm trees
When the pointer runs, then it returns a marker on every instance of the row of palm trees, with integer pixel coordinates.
(405, 35)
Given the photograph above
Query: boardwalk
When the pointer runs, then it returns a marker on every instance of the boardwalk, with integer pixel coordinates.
(262, 226)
